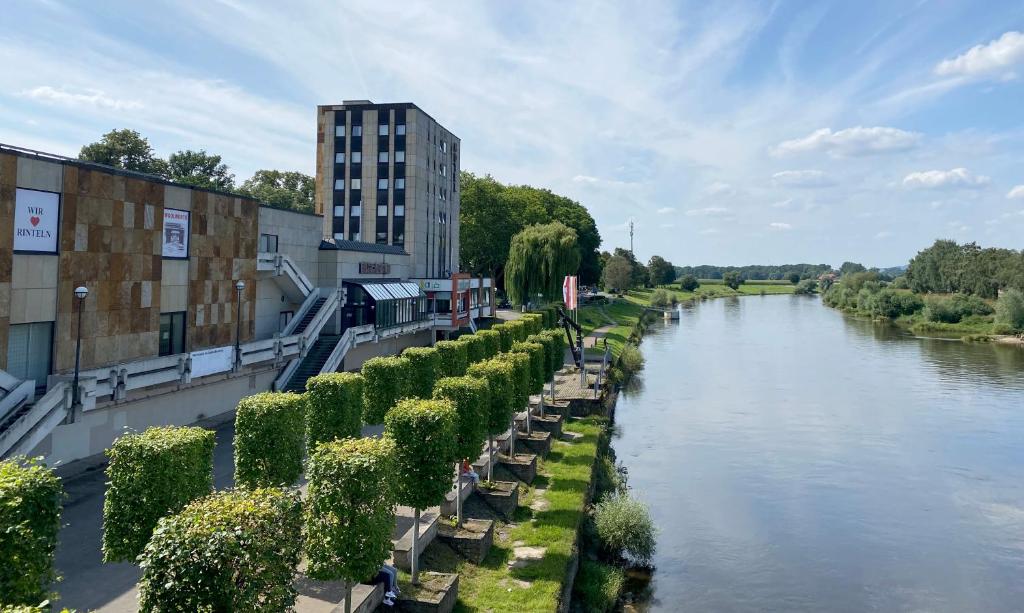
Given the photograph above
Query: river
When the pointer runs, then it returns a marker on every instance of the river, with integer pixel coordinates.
(797, 459)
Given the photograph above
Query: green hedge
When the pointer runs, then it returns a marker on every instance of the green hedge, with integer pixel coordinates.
(506, 336)
(350, 508)
(534, 323)
(500, 380)
(476, 348)
(231, 551)
(519, 330)
(454, 358)
(549, 352)
(385, 382)
(270, 434)
(558, 357)
(334, 407)
(424, 369)
(423, 432)
(492, 342)
(470, 396)
(152, 475)
(538, 364)
(30, 506)
(521, 377)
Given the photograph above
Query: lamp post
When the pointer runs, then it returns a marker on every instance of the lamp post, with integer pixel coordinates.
(239, 286)
(76, 398)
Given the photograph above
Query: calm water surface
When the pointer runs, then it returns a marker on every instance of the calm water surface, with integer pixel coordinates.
(799, 460)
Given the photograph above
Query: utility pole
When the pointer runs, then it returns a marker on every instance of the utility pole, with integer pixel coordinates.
(631, 237)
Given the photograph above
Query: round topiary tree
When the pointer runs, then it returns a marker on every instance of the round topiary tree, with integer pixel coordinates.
(334, 407)
(350, 510)
(470, 397)
(270, 437)
(499, 376)
(476, 348)
(384, 384)
(492, 342)
(454, 358)
(424, 366)
(423, 432)
(30, 506)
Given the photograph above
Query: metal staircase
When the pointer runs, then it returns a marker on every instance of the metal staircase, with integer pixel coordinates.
(311, 365)
(311, 314)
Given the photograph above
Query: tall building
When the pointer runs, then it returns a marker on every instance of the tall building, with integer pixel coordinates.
(388, 174)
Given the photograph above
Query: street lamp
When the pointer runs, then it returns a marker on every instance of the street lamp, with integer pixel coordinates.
(239, 286)
(76, 398)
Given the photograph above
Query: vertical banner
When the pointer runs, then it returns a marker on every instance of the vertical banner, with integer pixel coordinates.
(569, 294)
(36, 217)
(176, 233)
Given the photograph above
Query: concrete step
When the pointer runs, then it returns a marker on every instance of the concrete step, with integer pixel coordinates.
(551, 422)
(472, 540)
(329, 596)
(522, 466)
(537, 442)
(402, 535)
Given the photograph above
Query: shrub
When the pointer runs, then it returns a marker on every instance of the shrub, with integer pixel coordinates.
(661, 298)
(520, 363)
(558, 356)
(519, 329)
(30, 505)
(231, 551)
(806, 287)
(630, 359)
(476, 348)
(350, 513)
(548, 344)
(506, 336)
(423, 432)
(454, 358)
(470, 396)
(424, 365)
(492, 342)
(538, 367)
(269, 439)
(384, 384)
(334, 407)
(534, 323)
(1010, 309)
(901, 282)
(954, 308)
(598, 585)
(892, 303)
(624, 526)
(152, 475)
(499, 376)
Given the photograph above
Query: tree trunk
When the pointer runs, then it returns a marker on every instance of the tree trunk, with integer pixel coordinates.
(458, 495)
(552, 389)
(415, 561)
(490, 457)
(348, 596)
(542, 404)
(512, 439)
(528, 411)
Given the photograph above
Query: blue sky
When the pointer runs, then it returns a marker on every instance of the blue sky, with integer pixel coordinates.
(730, 133)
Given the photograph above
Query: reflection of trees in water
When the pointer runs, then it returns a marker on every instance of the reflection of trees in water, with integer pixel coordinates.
(733, 310)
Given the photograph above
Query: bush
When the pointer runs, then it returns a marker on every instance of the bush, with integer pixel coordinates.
(423, 432)
(499, 376)
(520, 329)
(476, 348)
(470, 396)
(661, 298)
(334, 407)
(630, 359)
(454, 358)
(270, 434)
(506, 336)
(152, 475)
(900, 282)
(424, 366)
(350, 513)
(231, 551)
(954, 308)
(1010, 309)
(558, 356)
(689, 283)
(806, 287)
(534, 323)
(384, 384)
(598, 585)
(548, 344)
(538, 364)
(492, 342)
(624, 527)
(520, 363)
(30, 506)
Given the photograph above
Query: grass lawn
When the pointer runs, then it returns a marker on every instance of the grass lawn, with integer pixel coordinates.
(559, 491)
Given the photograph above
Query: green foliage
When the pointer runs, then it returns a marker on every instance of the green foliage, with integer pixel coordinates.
(152, 475)
(424, 433)
(534, 322)
(385, 382)
(231, 551)
(30, 506)
(1010, 309)
(125, 149)
(521, 376)
(558, 355)
(952, 309)
(661, 298)
(334, 407)
(424, 370)
(270, 433)
(618, 274)
(893, 303)
(900, 282)
(500, 380)
(732, 280)
(630, 359)
(660, 271)
(538, 363)
(624, 526)
(506, 336)
(689, 283)
(519, 329)
(492, 342)
(453, 357)
(548, 343)
(200, 169)
(350, 513)
(281, 189)
(539, 258)
(598, 585)
(947, 267)
(806, 287)
(471, 398)
(476, 348)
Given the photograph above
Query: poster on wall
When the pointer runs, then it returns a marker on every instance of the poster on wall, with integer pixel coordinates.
(175, 233)
(36, 217)
(211, 361)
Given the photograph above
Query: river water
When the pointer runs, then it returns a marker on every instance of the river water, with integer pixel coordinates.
(796, 459)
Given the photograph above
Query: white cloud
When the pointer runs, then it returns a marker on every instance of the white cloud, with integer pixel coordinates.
(665, 210)
(801, 178)
(719, 188)
(710, 211)
(779, 225)
(851, 141)
(782, 204)
(883, 234)
(945, 179)
(87, 97)
(998, 56)
(586, 179)
(1016, 193)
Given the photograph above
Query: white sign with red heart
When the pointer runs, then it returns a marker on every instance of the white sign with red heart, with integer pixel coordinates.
(36, 217)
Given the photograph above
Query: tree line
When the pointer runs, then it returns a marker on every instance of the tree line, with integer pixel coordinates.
(756, 272)
(947, 267)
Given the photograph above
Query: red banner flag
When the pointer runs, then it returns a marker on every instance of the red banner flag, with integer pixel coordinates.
(569, 292)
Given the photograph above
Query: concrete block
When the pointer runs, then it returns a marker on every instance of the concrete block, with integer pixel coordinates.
(436, 593)
(472, 540)
(523, 466)
(537, 442)
(502, 496)
(402, 536)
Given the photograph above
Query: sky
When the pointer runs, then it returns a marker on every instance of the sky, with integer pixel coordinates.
(728, 132)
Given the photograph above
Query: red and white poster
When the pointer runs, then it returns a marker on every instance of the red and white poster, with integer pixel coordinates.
(36, 217)
(569, 292)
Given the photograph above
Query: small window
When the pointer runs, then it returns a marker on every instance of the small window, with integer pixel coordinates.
(382, 157)
(382, 210)
(400, 129)
(268, 243)
(399, 210)
(30, 351)
(357, 184)
(339, 130)
(339, 158)
(172, 333)
(339, 211)
(400, 157)
(339, 236)
(357, 157)
(357, 130)
(400, 183)
(382, 183)
(382, 129)
(444, 146)
(339, 184)
(444, 172)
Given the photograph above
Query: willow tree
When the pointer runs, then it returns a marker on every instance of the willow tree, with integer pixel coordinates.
(538, 259)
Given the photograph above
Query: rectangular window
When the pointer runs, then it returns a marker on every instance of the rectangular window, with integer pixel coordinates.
(398, 228)
(400, 183)
(357, 157)
(339, 158)
(29, 351)
(357, 130)
(443, 172)
(382, 157)
(339, 130)
(357, 184)
(400, 157)
(339, 184)
(268, 243)
(172, 333)
(382, 129)
(356, 211)
(382, 210)
(444, 146)
(339, 211)
(382, 183)
(400, 129)
(399, 210)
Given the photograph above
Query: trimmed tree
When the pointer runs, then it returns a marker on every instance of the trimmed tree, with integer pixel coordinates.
(519, 329)
(30, 506)
(521, 384)
(534, 322)
(424, 435)
(454, 358)
(548, 344)
(557, 357)
(384, 384)
(476, 348)
(470, 397)
(424, 369)
(492, 342)
(538, 359)
(152, 475)
(506, 336)
(334, 407)
(270, 433)
(231, 551)
(500, 380)
(350, 510)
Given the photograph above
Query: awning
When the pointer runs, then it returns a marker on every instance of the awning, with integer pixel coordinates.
(389, 291)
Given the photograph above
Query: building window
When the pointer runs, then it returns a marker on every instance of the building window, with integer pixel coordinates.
(382, 210)
(283, 319)
(382, 129)
(382, 183)
(339, 158)
(400, 183)
(172, 333)
(339, 211)
(382, 157)
(357, 130)
(400, 157)
(400, 129)
(339, 130)
(444, 146)
(357, 184)
(29, 351)
(443, 172)
(268, 243)
(339, 184)
(357, 157)
(398, 228)
(399, 210)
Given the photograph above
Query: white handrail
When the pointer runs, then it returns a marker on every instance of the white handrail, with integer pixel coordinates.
(307, 304)
(33, 426)
(22, 392)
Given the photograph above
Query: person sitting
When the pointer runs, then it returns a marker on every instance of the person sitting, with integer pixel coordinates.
(388, 575)
(467, 471)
